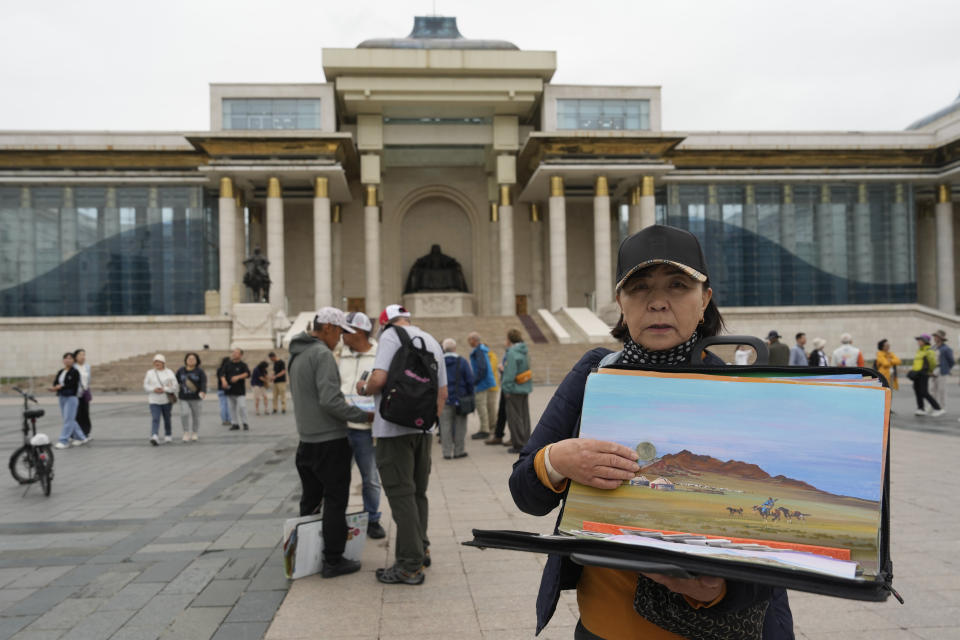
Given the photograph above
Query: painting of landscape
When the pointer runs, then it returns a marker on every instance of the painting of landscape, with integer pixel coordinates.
(757, 460)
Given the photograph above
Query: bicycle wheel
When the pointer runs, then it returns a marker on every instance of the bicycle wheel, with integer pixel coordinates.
(22, 465)
(45, 468)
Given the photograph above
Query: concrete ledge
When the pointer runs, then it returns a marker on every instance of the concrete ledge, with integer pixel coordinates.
(563, 337)
(592, 329)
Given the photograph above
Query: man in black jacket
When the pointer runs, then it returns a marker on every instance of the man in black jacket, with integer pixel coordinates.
(233, 377)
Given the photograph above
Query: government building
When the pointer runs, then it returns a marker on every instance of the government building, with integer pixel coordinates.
(129, 241)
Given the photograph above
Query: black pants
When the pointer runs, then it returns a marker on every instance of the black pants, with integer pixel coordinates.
(83, 416)
(501, 417)
(324, 469)
(921, 389)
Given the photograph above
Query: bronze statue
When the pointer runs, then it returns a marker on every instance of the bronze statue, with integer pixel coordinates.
(257, 279)
(436, 272)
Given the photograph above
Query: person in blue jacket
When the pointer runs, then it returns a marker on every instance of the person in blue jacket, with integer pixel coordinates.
(485, 388)
(453, 418)
(666, 305)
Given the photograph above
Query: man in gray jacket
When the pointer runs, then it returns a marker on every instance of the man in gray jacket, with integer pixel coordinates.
(322, 413)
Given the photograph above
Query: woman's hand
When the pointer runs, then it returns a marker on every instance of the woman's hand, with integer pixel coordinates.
(203, 396)
(158, 390)
(595, 463)
(702, 588)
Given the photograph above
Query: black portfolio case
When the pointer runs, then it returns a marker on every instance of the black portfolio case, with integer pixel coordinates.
(598, 552)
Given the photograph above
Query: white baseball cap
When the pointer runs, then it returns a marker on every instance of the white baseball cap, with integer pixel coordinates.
(391, 313)
(160, 357)
(332, 315)
(359, 320)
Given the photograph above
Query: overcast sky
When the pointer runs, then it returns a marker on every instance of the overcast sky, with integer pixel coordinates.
(722, 65)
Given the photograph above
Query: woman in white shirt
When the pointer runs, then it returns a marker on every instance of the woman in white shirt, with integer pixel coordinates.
(84, 396)
(160, 384)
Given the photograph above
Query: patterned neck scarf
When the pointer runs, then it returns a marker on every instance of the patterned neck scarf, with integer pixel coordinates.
(633, 353)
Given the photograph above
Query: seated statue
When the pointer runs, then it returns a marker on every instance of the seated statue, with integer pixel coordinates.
(436, 272)
(257, 278)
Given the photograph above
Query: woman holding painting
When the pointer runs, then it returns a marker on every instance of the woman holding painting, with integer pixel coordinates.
(666, 306)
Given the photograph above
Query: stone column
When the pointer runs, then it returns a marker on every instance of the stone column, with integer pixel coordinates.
(536, 257)
(946, 298)
(633, 220)
(508, 297)
(371, 232)
(240, 248)
(558, 245)
(322, 272)
(28, 238)
(602, 271)
(900, 268)
(278, 288)
(336, 253)
(863, 246)
(648, 203)
(227, 215)
(155, 253)
(68, 225)
(494, 270)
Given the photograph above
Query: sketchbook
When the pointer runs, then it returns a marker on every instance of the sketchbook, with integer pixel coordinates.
(770, 474)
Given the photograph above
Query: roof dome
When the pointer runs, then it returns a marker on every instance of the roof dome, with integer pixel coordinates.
(434, 32)
(936, 115)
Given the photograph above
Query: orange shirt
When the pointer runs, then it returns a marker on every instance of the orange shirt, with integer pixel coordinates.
(605, 596)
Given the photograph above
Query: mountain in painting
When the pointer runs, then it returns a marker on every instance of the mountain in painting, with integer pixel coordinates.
(687, 463)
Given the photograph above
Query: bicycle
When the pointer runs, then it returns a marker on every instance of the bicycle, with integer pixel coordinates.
(33, 461)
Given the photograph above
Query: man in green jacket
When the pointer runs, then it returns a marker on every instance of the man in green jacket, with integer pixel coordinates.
(324, 453)
(516, 392)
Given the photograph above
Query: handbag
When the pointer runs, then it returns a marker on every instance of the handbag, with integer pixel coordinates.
(524, 376)
(171, 397)
(467, 404)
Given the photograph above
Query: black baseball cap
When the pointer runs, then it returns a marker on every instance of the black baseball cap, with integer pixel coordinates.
(660, 244)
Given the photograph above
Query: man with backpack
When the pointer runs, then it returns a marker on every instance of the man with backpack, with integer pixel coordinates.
(410, 389)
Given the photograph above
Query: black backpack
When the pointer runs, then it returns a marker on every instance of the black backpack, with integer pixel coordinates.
(409, 396)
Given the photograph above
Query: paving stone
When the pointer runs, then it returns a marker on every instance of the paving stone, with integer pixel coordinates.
(241, 568)
(138, 633)
(160, 610)
(195, 577)
(10, 574)
(196, 623)
(259, 606)
(221, 593)
(270, 577)
(40, 577)
(10, 625)
(241, 631)
(40, 634)
(67, 614)
(133, 596)
(9, 596)
(98, 627)
(40, 601)
(164, 571)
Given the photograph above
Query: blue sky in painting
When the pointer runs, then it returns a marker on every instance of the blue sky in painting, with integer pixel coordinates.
(829, 437)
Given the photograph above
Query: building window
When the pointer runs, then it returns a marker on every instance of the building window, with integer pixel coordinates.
(271, 113)
(603, 115)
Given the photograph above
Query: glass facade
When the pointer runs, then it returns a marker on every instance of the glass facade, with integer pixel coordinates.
(800, 244)
(603, 115)
(271, 113)
(113, 250)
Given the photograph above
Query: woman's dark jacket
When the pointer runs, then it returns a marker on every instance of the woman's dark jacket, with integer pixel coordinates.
(71, 382)
(459, 378)
(199, 379)
(559, 422)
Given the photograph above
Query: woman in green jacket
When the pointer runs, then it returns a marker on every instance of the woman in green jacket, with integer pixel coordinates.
(924, 364)
(516, 391)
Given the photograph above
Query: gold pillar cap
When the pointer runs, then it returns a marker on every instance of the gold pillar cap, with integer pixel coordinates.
(943, 193)
(494, 212)
(534, 212)
(273, 188)
(634, 196)
(371, 200)
(602, 188)
(337, 214)
(321, 187)
(504, 195)
(646, 186)
(226, 187)
(556, 186)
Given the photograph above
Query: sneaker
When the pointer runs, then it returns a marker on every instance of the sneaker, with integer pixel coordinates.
(919, 412)
(225, 423)
(341, 568)
(186, 437)
(155, 440)
(426, 557)
(77, 443)
(396, 575)
(234, 427)
(480, 435)
(375, 531)
(61, 445)
(246, 427)
(494, 440)
(938, 413)
(460, 455)
(275, 411)
(194, 436)
(167, 439)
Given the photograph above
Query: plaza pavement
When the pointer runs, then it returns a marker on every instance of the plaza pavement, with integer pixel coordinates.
(182, 541)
